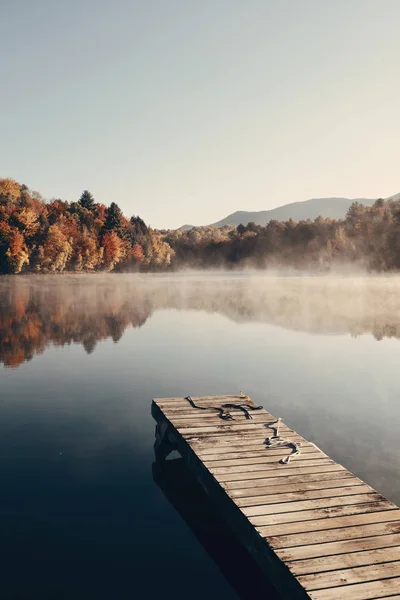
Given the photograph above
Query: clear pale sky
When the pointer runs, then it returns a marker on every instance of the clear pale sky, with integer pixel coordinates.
(183, 111)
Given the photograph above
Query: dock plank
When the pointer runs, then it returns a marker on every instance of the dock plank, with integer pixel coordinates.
(359, 591)
(333, 534)
(342, 577)
(274, 471)
(323, 550)
(223, 448)
(255, 458)
(319, 513)
(315, 528)
(288, 497)
(269, 464)
(331, 522)
(279, 478)
(345, 561)
(324, 503)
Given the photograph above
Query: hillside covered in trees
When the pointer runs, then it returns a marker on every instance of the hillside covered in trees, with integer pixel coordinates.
(61, 236)
(57, 236)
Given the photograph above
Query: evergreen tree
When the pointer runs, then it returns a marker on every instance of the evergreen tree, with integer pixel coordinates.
(139, 225)
(87, 201)
(113, 218)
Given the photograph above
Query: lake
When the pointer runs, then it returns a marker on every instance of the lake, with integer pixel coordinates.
(84, 512)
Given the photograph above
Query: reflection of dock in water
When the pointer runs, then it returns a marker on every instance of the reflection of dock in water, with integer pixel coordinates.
(197, 510)
(317, 531)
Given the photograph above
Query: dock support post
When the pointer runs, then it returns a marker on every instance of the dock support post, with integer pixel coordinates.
(163, 446)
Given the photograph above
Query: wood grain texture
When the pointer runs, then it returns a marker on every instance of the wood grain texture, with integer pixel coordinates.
(255, 458)
(334, 534)
(320, 513)
(323, 550)
(340, 577)
(345, 561)
(305, 505)
(288, 497)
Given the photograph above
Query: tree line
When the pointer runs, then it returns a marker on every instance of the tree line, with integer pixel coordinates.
(56, 236)
(85, 235)
(368, 237)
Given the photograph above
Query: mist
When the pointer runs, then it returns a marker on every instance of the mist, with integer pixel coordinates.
(38, 311)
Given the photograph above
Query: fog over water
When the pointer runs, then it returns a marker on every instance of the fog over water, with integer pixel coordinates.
(37, 311)
(82, 357)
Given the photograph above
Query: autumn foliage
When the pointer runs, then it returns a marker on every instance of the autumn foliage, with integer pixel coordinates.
(57, 236)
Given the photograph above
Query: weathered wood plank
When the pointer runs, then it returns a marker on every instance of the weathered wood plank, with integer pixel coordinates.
(210, 417)
(348, 568)
(254, 437)
(342, 523)
(259, 420)
(208, 409)
(359, 591)
(182, 404)
(342, 577)
(299, 517)
(214, 447)
(345, 561)
(229, 426)
(256, 458)
(207, 417)
(232, 440)
(313, 482)
(329, 549)
(204, 400)
(226, 452)
(289, 497)
(274, 471)
(332, 535)
(305, 505)
(270, 465)
(273, 479)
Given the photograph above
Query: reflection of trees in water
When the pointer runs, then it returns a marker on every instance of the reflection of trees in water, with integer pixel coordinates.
(62, 313)
(38, 311)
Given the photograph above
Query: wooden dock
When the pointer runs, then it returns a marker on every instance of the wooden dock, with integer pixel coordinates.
(314, 528)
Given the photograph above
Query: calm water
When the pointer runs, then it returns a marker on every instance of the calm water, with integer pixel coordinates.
(84, 513)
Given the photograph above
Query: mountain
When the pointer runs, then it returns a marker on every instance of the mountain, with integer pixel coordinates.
(334, 208)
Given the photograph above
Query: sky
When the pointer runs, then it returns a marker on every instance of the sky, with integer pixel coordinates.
(184, 111)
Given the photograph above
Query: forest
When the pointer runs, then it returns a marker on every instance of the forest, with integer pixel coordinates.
(57, 236)
(368, 238)
(84, 235)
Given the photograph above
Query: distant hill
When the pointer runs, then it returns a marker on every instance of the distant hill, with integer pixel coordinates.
(334, 208)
